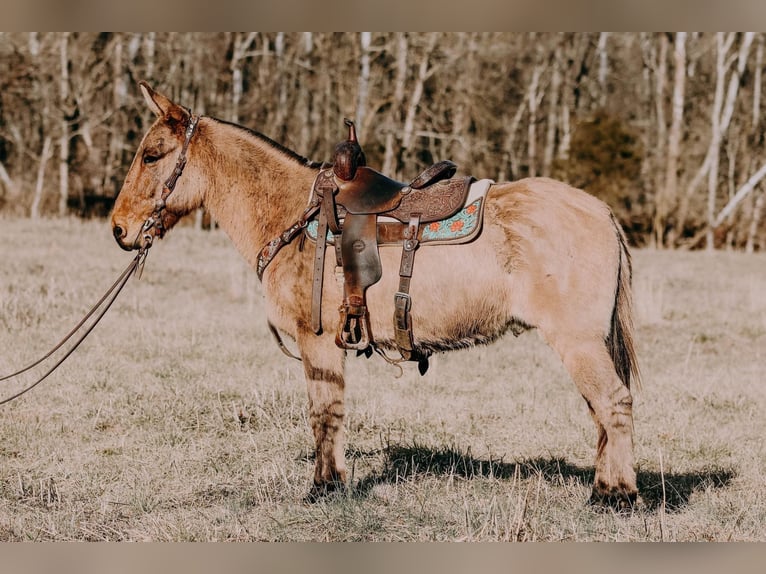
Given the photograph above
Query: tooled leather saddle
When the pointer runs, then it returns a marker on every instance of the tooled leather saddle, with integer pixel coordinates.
(353, 200)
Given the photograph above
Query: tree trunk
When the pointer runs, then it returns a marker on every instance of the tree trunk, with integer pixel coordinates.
(720, 124)
(65, 130)
(721, 114)
(9, 184)
(740, 194)
(509, 160)
(722, 44)
(149, 48)
(463, 59)
(668, 196)
(309, 102)
(553, 110)
(424, 71)
(757, 83)
(755, 222)
(603, 67)
(45, 155)
(660, 74)
(532, 126)
(282, 82)
(396, 103)
(365, 39)
(568, 63)
(728, 209)
(119, 92)
(239, 53)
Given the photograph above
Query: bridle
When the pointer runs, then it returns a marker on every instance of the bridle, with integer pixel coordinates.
(153, 225)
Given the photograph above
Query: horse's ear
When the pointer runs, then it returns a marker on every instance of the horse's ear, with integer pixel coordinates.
(158, 103)
(162, 106)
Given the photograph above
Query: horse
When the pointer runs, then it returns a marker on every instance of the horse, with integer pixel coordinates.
(549, 257)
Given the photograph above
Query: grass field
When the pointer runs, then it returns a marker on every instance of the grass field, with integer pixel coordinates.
(178, 419)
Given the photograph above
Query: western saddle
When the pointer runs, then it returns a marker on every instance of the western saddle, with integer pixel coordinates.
(358, 209)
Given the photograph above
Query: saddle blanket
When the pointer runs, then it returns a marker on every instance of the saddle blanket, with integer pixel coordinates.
(462, 227)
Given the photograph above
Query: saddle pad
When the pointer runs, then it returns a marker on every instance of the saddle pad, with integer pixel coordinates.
(460, 228)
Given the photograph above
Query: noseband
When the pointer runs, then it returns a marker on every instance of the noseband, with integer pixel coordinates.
(153, 225)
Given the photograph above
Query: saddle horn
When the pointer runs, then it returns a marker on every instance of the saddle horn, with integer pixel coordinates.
(348, 155)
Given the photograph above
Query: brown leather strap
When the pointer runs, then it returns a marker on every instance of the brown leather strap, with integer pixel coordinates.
(267, 253)
(325, 191)
(402, 301)
(438, 171)
(330, 209)
(281, 343)
(319, 253)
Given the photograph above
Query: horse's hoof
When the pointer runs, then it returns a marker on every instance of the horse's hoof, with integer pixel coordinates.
(321, 491)
(618, 500)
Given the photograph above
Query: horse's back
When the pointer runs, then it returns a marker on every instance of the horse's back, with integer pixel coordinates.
(551, 217)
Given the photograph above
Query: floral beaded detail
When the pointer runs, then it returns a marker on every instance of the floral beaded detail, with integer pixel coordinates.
(459, 225)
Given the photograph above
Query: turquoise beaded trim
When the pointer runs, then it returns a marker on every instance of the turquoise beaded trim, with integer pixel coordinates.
(460, 225)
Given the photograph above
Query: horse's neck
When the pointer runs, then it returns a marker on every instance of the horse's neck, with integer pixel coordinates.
(259, 192)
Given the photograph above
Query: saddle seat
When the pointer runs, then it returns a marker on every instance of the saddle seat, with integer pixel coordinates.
(352, 197)
(371, 192)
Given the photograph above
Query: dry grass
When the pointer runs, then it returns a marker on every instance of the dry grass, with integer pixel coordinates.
(179, 419)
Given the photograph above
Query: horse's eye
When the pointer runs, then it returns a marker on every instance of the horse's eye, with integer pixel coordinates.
(148, 158)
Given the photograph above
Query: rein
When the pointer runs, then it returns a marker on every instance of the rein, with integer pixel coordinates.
(135, 266)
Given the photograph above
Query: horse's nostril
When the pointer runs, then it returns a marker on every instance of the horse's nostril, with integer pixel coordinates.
(118, 232)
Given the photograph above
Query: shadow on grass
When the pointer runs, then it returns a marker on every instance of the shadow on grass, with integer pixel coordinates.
(402, 463)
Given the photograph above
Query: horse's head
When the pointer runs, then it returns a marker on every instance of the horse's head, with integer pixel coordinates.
(151, 201)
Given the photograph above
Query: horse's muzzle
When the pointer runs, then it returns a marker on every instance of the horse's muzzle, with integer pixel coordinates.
(119, 235)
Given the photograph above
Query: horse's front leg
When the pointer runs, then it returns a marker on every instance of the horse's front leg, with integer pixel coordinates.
(323, 364)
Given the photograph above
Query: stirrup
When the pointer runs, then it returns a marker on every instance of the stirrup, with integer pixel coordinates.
(353, 328)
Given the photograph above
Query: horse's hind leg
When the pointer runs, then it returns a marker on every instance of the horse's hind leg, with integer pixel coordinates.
(611, 406)
(323, 365)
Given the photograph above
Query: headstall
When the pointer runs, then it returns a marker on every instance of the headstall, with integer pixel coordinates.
(153, 225)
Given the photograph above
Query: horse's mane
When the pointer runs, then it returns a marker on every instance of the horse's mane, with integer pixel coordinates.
(274, 145)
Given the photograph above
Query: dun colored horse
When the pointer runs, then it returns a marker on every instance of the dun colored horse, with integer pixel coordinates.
(549, 257)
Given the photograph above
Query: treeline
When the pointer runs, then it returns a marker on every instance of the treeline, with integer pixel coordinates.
(665, 127)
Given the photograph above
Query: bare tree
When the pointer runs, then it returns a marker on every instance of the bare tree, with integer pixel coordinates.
(755, 222)
(37, 199)
(603, 66)
(424, 71)
(668, 192)
(240, 51)
(365, 39)
(400, 78)
(7, 181)
(758, 69)
(533, 99)
(65, 136)
(553, 108)
(721, 117)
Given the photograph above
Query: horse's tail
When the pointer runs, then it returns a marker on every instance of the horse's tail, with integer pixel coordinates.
(620, 339)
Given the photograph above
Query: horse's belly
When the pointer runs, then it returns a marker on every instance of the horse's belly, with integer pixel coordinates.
(460, 295)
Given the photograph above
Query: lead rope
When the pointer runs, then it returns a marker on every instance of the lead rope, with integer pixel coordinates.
(106, 301)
